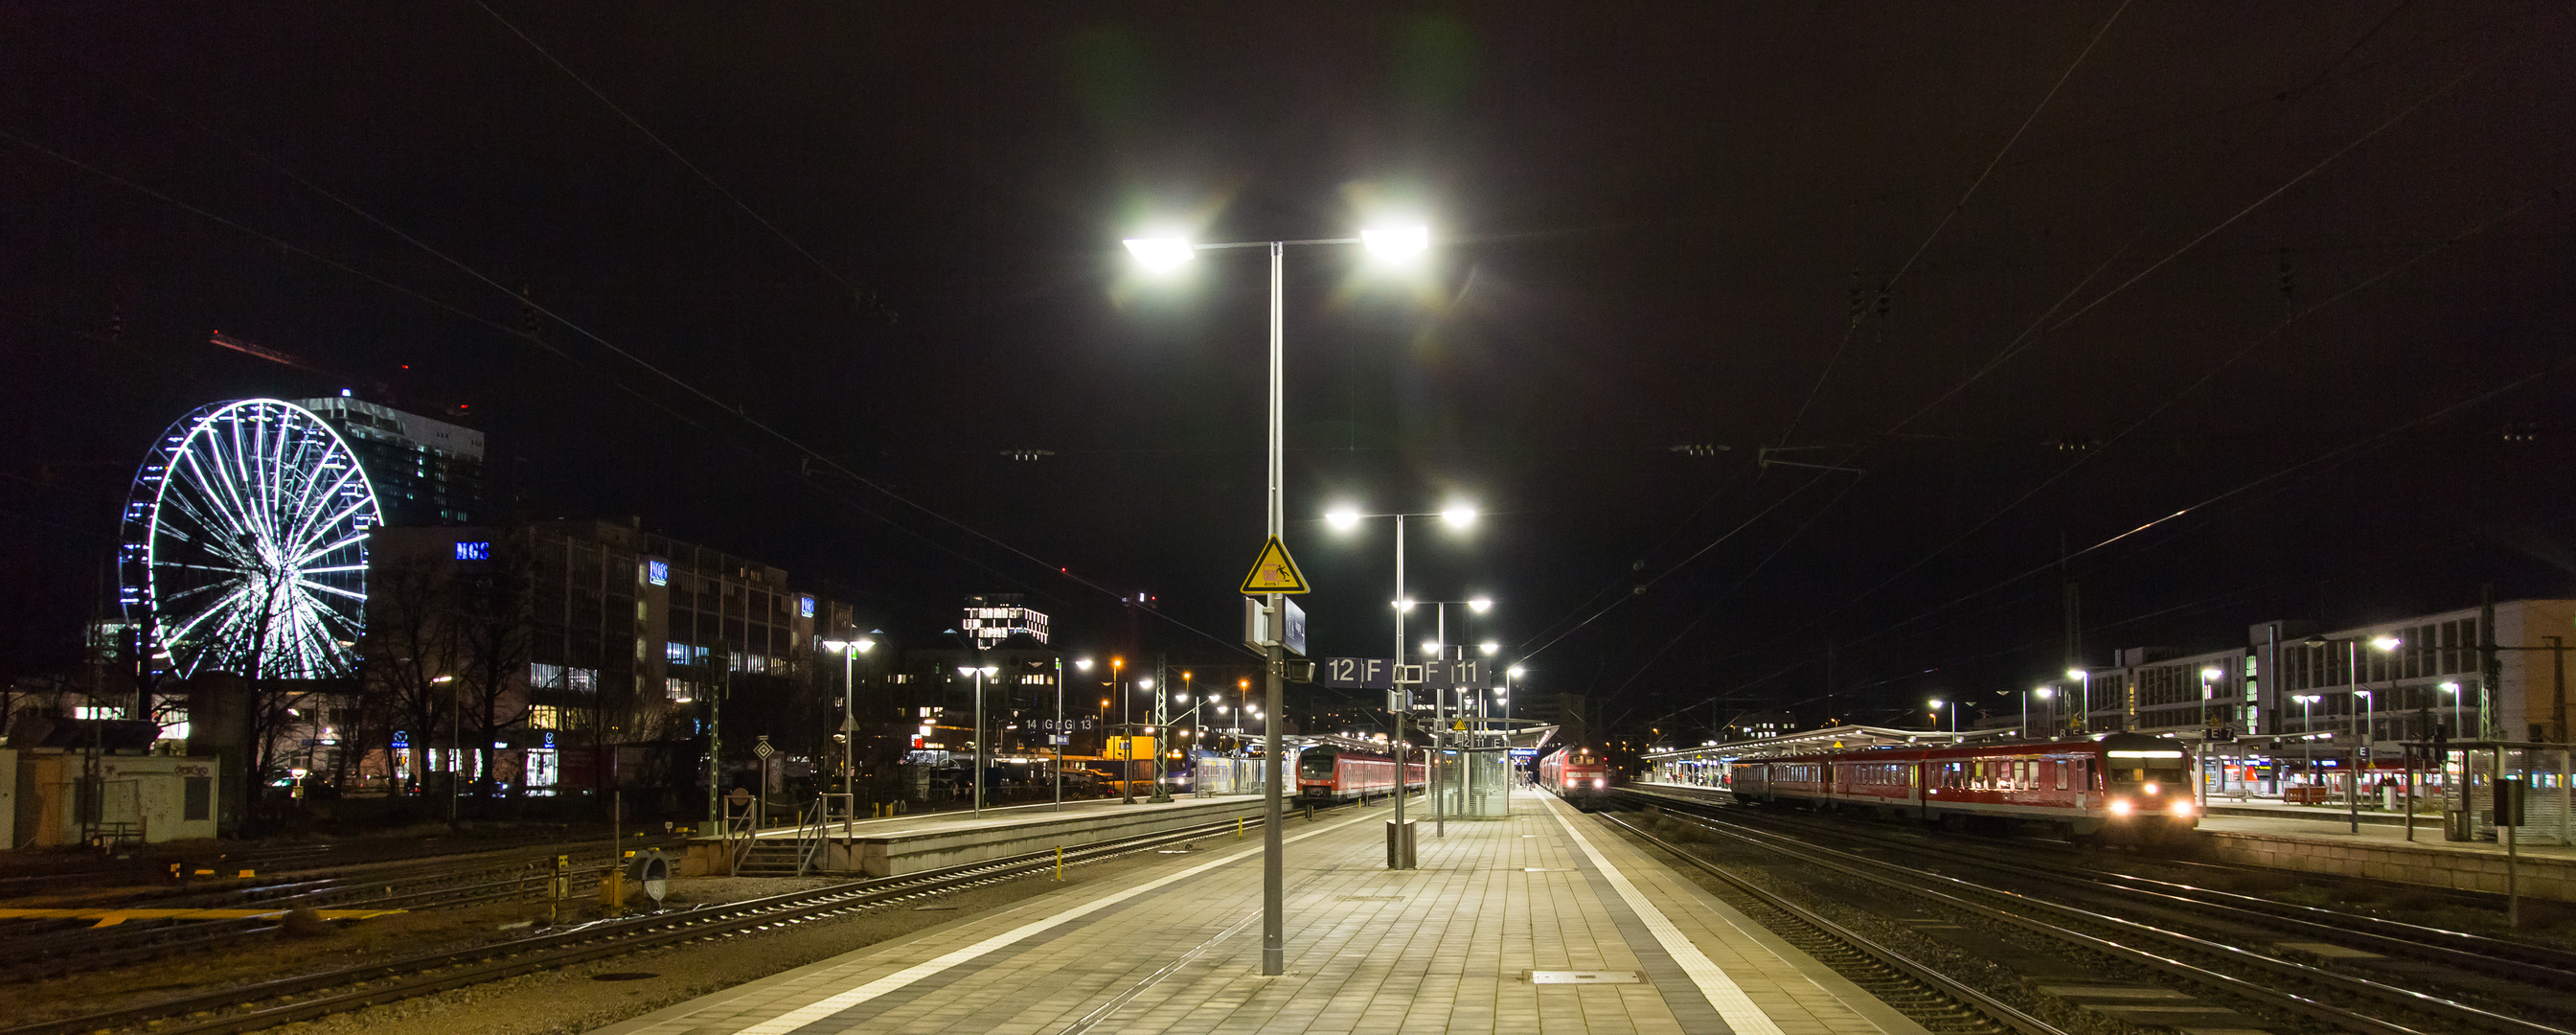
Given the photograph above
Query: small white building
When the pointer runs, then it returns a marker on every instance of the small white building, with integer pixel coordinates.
(65, 797)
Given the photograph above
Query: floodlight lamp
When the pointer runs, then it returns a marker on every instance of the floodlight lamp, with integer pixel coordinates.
(1393, 242)
(1082, 664)
(965, 670)
(1489, 647)
(1343, 517)
(1159, 253)
(864, 644)
(2045, 692)
(1403, 605)
(2077, 673)
(1936, 705)
(1480, 605)
(989, 670)
(836, 644)
(1460, 516)
(1146, 683)
(2387, 643)
(2211, 672)
(1516, 672)
(1431, 647)
(2450, 688)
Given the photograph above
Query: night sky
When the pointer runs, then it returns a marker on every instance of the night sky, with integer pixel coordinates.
(2221, 312)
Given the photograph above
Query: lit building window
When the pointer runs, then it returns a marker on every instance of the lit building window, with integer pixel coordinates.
(544, 717)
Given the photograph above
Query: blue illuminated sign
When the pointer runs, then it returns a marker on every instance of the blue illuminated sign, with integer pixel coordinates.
(805, 606)
(481, 551)
(657, 572)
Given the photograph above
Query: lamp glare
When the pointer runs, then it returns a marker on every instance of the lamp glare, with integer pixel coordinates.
(1160, 253)
(1397, 241)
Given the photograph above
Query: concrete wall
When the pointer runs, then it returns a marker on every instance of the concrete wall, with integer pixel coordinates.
(2536, 877)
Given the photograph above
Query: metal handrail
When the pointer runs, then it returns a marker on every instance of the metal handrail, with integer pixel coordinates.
(814, 828)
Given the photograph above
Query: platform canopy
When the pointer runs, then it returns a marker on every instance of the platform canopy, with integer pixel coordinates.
(1830, 738)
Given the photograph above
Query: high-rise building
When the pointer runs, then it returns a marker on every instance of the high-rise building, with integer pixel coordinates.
(426, 472)
(992, 618)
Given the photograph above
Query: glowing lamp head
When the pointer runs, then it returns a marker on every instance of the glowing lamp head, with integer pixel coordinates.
(1431, 647)
(2077, 673)
(1343, 517)
(1480, 605)
(1460, 516)
(1394, 242)
(1489, 647)
(1160, 253)
(2387, 643)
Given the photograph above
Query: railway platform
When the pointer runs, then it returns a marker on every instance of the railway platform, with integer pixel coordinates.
(1539, 922)
(908, 844)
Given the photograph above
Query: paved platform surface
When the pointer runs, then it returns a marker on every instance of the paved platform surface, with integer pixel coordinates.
(2326, 823)
(1450, 947)
(998, 815)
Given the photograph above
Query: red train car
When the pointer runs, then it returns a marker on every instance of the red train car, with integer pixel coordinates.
(1331, 774)
(2125, 787)
(1576, 776)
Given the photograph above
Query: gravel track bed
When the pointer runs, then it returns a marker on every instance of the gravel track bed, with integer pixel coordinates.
(550, 1002)
(1866, 909)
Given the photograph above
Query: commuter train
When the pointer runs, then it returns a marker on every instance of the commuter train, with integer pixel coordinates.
(1575, 776)
(1334, 774)
(2125, 787)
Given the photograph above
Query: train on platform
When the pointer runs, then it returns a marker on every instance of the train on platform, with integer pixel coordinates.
(1576, 776)
(1340, 774)
(2125, 788)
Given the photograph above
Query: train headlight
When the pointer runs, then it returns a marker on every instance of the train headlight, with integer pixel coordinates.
(1600, 783)
(2182, 806)
(2120, 806)
(2151, 789)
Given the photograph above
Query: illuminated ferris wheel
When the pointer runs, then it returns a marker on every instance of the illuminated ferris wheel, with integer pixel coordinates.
(245, 545)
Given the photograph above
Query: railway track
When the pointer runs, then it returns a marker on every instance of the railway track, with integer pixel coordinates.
(305, 997)
(36, 952)
(1941, 1004)
(2226, 952)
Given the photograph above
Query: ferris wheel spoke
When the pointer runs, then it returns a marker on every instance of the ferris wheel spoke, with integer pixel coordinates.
(304, 550)
(203, 485)
(333, 590)
(309, 556)
(314, 523)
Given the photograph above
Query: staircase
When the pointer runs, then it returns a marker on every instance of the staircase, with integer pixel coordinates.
(769, 857)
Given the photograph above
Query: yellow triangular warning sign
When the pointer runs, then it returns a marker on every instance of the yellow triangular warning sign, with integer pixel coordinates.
(1275, 572)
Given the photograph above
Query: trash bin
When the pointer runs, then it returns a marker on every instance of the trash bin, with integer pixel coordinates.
(1399, 844)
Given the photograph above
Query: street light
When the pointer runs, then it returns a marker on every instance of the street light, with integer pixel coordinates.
(1954, 715)
(2087, 676)
(1166, 253)
(2048, 694)
(850, 650)
(2307, 734)
(2208, 677)
(1438, 650)
(1457, 515)
(1082, 665)
(979, 672)
(2364, 735)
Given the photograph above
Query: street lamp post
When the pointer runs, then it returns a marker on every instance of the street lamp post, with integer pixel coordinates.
(1082, 665)
(2048, 694)
(2086, 675)
(979, 672)
(2208, 677)
(1347, 517)
(1954, 716)
(2363, 733)
(1163, 253)
(850, 650)
(2307, 735)
(1127, 749)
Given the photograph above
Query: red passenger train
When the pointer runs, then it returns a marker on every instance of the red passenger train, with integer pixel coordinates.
(1332, 774)
(2125, 787)
(1575, 776)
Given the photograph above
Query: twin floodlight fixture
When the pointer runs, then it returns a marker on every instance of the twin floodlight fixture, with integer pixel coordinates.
(1158, 254)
